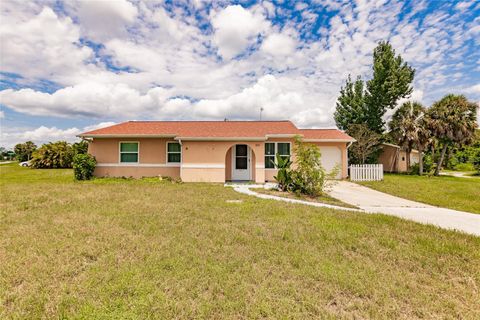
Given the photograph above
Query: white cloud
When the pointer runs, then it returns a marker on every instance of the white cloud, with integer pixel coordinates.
(2, 115)
(88, 100)
(279, 44)
(235, 28)
(42, 46)
(104, 19)
(473, 89)
(291, 72)
(11, 136)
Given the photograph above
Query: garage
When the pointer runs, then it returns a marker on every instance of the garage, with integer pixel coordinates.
(331, 158)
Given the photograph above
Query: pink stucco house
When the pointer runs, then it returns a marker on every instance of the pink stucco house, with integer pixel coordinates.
(207, 151)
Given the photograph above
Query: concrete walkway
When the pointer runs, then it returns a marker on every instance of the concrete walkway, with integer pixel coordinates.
(247, 189)
(374, 201)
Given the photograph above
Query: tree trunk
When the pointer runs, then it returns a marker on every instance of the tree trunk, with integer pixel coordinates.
(420, 161)
(440, 161)
(408, 151)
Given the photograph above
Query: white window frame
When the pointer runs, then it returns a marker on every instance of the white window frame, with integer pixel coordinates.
(275, 152)
(120, 152)
(166, 153)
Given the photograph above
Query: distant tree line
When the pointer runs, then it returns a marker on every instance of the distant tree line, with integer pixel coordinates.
(57, 154)
(446, 130)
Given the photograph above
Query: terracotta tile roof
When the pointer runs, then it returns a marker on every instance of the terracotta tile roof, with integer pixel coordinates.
(212, 129)
(324, 134)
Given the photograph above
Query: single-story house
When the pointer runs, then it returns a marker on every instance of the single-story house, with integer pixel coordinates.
(207, 151)
(394, 158)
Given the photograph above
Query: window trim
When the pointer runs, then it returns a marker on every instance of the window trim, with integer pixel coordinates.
(166, 153)
(120, 152)
(275, 152)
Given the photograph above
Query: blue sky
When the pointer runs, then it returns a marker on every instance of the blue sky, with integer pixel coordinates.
(69, 67)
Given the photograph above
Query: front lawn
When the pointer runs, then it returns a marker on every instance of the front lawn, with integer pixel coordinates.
(324, 198)
(145, 249)
(443, 191)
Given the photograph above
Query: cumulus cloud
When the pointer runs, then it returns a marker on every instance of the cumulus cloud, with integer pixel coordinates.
(279, 44)
(146, 60)
(235, 28)
(43, 134)
(101, 20)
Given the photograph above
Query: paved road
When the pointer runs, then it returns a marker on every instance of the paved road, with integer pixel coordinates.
(374, 201)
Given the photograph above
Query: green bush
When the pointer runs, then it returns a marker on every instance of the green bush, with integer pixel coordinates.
(428, 165)
(284, 175)
(53, 155)
(476, 161)
(308, 176)
(83, 166)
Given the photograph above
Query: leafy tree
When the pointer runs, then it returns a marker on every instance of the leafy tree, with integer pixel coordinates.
(308, 175)
(391, 81)
(351, 104)
(24, 150)
(405, 126)
(83, 166)
(392, 78)
(80, 147)
(53, 155)
(452, 121)
(366, 146)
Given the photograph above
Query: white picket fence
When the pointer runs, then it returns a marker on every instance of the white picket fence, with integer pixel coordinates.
(366, 172)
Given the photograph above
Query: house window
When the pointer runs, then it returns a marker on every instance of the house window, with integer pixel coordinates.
(269, 155)
(129, 152)
(174, 152)
(271, 149)
(283, 149)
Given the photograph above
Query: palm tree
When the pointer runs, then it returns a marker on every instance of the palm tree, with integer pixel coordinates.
(452, 120)
(406, 126)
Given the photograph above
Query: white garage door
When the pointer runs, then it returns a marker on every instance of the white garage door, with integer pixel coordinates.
(331, 157)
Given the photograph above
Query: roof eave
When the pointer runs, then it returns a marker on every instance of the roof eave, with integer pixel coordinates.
(220, 138)
(329, 140)
(86, 135)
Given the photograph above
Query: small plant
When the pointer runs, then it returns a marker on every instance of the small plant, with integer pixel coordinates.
(476, 162)
(309, 176)
(83, 166)
(284, 175)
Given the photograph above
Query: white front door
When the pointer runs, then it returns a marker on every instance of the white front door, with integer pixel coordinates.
(241, 162)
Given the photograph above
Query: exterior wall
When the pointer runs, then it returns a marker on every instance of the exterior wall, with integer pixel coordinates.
(342, 147)
(208, 161)
(388, 157)
(151, 157)
(395, 160)
(137, 171)
(202, 161)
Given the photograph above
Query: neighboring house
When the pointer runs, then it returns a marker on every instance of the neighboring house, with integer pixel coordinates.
(207, 151)
(394, 158)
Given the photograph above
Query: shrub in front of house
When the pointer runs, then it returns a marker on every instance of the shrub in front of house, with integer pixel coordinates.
(308, 176)
(83, 166)
(52, 155)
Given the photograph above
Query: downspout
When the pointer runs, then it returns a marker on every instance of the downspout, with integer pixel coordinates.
(346, 151)
(181, 157)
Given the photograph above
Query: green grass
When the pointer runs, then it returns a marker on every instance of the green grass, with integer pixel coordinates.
(145, 249)
(324, 198)
(443, 191)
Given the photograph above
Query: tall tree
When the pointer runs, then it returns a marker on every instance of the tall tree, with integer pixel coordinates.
(366, 145)
(24, 150)
(351, 104)
(453, 120)
(405, 126)
(392, 79)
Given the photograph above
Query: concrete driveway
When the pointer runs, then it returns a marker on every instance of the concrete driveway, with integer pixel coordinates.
(378, 202)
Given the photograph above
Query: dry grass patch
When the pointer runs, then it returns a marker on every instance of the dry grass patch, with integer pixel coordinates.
(126, 249)
(324, 198)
